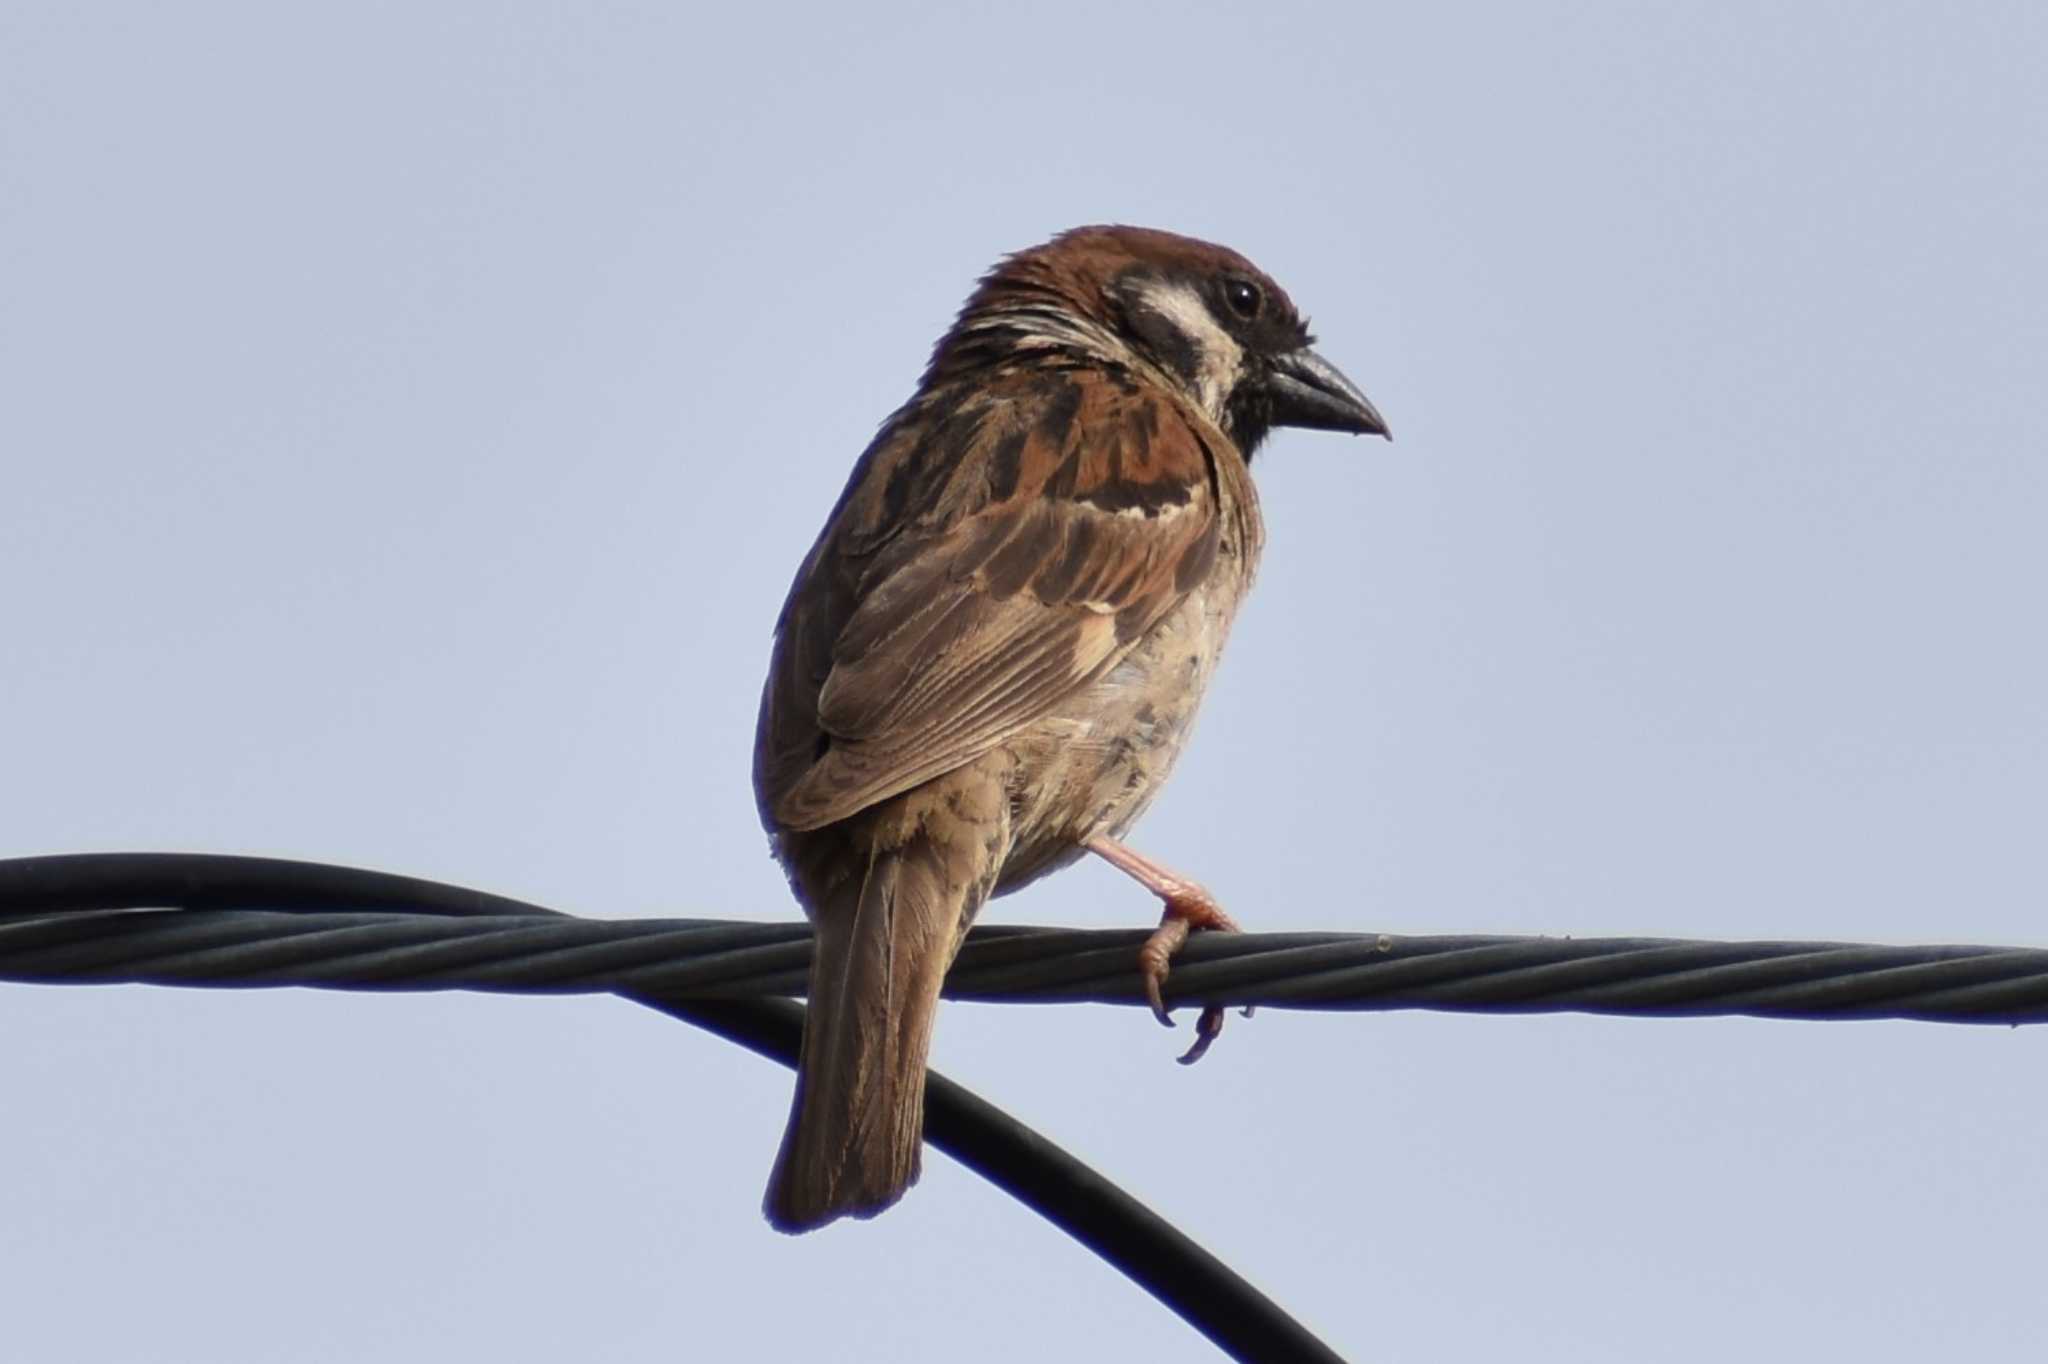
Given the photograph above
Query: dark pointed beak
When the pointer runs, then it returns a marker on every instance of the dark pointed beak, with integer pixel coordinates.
(1309, 391)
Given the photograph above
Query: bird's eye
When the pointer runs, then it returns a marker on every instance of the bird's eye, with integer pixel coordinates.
(1244, 297)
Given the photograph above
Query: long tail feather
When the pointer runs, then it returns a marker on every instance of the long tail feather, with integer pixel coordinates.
(884, 944)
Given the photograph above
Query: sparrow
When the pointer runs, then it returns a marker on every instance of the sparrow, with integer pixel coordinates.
(993, 653)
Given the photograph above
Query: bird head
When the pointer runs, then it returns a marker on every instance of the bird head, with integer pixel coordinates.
(1198, 316)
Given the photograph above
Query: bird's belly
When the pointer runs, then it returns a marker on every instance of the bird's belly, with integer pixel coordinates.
(1093, 767)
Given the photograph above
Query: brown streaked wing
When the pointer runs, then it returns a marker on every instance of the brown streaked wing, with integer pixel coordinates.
(1089, 514)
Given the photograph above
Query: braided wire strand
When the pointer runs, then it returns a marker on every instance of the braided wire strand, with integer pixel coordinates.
(525, 953)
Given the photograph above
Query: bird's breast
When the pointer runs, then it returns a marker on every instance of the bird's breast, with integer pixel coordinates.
(1094, 765)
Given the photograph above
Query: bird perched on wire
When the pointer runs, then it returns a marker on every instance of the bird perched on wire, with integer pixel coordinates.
(992, 655)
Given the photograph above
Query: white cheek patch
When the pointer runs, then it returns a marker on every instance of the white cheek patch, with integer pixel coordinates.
(1218, 358)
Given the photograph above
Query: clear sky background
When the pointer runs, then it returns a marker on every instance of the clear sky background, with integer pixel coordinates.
(412, 416)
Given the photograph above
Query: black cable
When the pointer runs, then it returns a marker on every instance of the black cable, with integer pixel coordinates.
(73, 881)
(467, 941)
(1073, 1196)
(60, 905)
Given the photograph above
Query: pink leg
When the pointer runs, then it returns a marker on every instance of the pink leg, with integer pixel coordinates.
(1189, 907)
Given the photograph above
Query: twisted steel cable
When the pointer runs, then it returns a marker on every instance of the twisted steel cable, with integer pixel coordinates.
(465, 940)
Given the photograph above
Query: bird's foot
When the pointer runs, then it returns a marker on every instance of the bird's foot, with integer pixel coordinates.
(1190, 908)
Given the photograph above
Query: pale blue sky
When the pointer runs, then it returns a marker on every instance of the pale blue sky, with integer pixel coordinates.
(412, 416)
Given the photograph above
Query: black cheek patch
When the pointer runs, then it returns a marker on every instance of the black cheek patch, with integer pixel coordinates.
(1171, 346)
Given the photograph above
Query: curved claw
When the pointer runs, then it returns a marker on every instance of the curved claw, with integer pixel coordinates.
(1159, 1010)
(1206, 1031)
